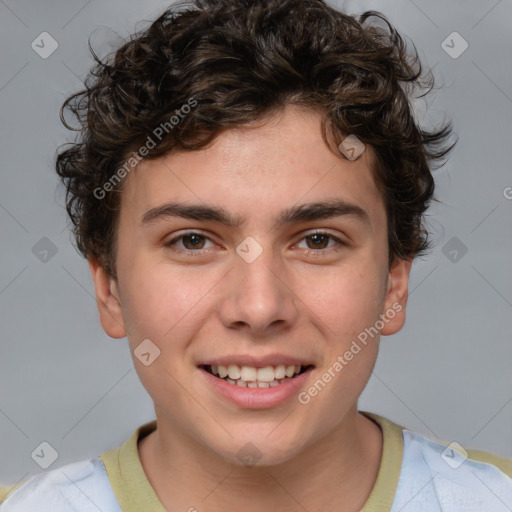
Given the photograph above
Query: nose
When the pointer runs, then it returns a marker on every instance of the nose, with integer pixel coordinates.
(258, 295)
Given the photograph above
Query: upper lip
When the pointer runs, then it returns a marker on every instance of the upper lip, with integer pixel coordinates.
(257, 362)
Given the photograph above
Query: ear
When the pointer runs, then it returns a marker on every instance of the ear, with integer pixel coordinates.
(107, 299)
(396, 296)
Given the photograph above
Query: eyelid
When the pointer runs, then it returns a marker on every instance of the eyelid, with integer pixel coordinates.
(188, 233)
(323, 231)
(340, 243)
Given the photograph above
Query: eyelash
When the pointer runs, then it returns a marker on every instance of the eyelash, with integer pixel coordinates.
(309, 252)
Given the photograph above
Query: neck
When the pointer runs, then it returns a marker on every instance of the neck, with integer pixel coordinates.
(335, 473)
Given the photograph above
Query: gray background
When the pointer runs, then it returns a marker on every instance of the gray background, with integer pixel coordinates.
(447, 373)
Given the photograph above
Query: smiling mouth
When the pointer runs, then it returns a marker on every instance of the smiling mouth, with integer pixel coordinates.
(252, 377)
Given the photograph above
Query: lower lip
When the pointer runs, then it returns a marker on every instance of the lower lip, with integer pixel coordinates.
(257, 398)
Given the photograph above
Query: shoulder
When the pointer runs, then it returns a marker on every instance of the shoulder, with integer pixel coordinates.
(430, 475)
(502, 463)
(458, 479)
(81, 486)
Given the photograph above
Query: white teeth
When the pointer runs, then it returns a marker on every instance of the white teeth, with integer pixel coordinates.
(234, 371)
(280, 371)
(266, 374)
(290, 370)
(248, 373)
(249, 376)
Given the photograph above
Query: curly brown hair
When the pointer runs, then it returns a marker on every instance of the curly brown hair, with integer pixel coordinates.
(237, 61)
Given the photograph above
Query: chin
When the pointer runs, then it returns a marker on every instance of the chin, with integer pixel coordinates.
(261, 451)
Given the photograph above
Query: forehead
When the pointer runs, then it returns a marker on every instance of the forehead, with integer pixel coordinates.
(252, 171)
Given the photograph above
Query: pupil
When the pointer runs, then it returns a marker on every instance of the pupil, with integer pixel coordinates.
(196, 239)
(317, 239)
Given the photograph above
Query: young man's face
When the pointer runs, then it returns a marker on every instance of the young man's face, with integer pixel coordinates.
(259, 293)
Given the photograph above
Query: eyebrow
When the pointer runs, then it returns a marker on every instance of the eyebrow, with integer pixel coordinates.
(304, 212)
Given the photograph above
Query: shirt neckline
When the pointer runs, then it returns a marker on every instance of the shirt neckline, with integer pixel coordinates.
(134, 492)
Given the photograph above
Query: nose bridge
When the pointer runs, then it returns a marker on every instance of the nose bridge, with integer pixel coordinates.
(258, 269)
(259, 295)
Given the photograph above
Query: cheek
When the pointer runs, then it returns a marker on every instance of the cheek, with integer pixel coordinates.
(345, 301)
(159, 302)
(164, 306)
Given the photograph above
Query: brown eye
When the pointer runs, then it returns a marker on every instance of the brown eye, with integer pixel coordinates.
(319, 241)
(319, 244)
(191, 243)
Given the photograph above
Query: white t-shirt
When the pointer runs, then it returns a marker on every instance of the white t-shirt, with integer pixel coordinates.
(416, 474)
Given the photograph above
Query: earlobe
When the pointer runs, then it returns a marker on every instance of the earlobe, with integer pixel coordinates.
(396, 296)
(108, 300)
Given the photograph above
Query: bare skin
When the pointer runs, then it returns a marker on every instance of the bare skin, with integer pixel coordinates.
(200, 301)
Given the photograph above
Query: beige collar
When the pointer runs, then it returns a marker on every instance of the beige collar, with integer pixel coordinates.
(134, 492)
